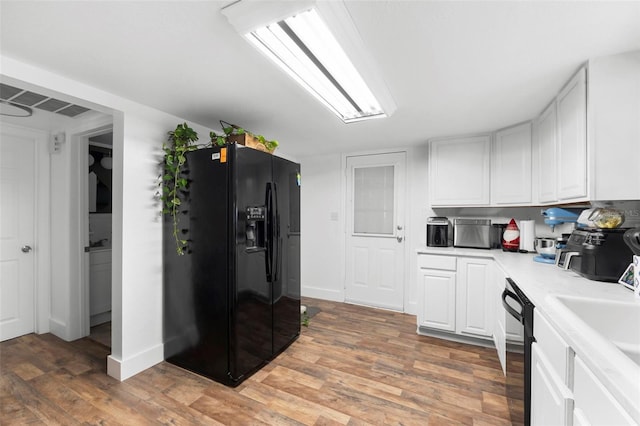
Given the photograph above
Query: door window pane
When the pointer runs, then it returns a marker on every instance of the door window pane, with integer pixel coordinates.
(373, 200)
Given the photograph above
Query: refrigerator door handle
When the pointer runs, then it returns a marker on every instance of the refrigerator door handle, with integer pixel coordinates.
(276, 236)
(269, 233)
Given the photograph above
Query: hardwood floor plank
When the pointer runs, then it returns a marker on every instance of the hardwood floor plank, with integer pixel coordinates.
(352, 366)
(43, 409)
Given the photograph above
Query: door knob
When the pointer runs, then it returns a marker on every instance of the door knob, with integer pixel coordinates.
(399, 238)
(399, 227)
(26, 249)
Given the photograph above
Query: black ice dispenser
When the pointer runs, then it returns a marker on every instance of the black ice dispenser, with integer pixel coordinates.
(255, 229)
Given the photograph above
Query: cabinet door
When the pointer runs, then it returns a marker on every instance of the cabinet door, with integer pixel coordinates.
(546, 151)
(572, 139)
(614, 129)
(459, 171)
(500, 317)
(511, 165)
(594, 404)
(437, 299)
(100, 282)
(551, 400)
(474, 301)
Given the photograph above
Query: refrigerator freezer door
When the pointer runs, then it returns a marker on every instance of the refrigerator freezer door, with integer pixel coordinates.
(196, 294)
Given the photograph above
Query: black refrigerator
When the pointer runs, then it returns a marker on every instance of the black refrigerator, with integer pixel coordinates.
(232, 301)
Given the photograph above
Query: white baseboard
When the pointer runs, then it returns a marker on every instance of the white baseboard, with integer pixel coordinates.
(59, 329)
(411, 308)
(323, 293)
(122, 370)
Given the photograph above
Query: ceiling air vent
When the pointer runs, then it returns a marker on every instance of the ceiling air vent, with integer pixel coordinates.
(28, 99)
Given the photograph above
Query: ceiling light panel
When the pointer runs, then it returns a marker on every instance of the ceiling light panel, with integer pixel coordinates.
(319, 47)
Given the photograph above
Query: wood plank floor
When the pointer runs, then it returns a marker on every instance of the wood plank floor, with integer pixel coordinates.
(352, 366)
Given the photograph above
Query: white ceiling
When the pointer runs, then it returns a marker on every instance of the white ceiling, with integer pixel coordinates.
(452, 67)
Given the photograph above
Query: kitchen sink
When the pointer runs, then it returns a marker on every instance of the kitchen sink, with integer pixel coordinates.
(617, 322)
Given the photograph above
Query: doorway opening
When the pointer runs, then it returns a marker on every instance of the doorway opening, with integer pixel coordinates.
(98, 147)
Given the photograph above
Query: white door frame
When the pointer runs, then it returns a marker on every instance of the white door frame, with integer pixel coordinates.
(345, 213)
(42, 225)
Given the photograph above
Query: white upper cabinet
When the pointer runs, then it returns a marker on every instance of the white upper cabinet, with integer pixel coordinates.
(545, 149)
(459, 171)
(579, 152)
(614, 127)
(511, 165)
(572, 139)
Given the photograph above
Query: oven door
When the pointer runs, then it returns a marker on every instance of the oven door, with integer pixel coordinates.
(518, 360)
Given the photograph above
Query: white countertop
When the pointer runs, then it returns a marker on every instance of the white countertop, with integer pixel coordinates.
(541, 282)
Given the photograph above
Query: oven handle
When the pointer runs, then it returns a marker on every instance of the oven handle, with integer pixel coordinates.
(517, 315)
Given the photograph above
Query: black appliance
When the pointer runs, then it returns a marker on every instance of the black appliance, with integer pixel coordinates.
(524, 314)
(632, 238)
(596, 254)
(232, 301)
(439, 232)
(497, 231)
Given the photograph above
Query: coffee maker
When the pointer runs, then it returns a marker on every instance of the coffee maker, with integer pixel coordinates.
(596, 254)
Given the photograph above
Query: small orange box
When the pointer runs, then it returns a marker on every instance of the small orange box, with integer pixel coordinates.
(223, 155)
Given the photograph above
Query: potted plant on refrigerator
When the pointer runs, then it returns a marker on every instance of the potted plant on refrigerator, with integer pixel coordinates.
(183, 140)
(236, 134)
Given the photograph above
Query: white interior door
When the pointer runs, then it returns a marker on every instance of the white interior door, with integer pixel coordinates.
(375, 230)
(17, 209)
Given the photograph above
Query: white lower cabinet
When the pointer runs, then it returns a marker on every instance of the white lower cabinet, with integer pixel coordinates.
(455, 294)
(474, 302)
(438, 297)
(437, 292)
(500, 317)
(100, 287)
(551, 399)
(594, 405)
(564, 391)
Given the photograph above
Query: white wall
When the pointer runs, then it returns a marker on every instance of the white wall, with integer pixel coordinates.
(139, 132)
(322, 227)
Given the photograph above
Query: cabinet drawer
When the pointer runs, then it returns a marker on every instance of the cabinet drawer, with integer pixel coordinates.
(557, 351)
(431, 261)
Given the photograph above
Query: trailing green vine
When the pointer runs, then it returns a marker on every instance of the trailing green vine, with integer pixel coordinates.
(180, 141)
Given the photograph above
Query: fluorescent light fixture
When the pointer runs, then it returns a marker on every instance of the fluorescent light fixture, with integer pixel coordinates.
(303, 45)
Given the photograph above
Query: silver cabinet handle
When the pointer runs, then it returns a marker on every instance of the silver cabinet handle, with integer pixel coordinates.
(26, 249)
